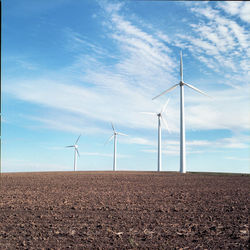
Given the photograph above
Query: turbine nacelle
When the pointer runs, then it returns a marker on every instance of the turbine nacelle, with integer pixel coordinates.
(160, 114)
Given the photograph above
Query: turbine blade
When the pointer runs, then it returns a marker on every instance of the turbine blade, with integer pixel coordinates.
(165, 106)
(148, 113)
(70, 146)
(196, 89)
(109, 139)
(112, 126)
(77, 139)
(181, 67)
(121, 134)
(165, 124)
(166, 91)
(77, 152)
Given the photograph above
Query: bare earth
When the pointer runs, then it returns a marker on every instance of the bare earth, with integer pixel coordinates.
(124, 210)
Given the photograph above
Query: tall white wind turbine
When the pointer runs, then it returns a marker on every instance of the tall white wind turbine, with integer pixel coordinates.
(160, 119)
(76, 152)
(182, 114)
(115, 133)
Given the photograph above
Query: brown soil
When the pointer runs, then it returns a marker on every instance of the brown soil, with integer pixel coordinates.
(124, 210)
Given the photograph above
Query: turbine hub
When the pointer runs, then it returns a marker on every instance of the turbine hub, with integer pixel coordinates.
(76, 146)
(181, 83)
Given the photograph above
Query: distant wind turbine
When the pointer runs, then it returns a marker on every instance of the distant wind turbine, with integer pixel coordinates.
(182, 114)
(115, 133)
(160, 118)
(76, 151)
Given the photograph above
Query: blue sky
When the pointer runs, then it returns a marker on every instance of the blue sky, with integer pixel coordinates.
(71, 67)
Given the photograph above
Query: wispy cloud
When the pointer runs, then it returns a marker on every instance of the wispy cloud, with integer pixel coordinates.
(139, 141)
(20, 165)
(237, 159)
(143, 65)
(239, 9)
(65, 122)
(222, 44)
(103, 154)
(172, 147)
(107, 92)
(20, 62)
(78, 43)
(96, 154)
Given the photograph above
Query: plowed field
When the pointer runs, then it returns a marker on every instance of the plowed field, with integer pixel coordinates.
(124, 210)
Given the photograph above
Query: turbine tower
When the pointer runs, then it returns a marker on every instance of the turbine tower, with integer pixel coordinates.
(182, 114)
(115, 133)
(160, 118)
(76, 151)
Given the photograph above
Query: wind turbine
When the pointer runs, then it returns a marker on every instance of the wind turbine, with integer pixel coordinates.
(76, 151)
(115, 133)
(160, 118)
(182, 114)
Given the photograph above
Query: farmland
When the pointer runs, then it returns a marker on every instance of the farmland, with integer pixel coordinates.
(124, 210)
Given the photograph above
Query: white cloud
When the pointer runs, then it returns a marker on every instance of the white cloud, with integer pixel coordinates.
(224, 111)
(112, 97)
(103, 154)
(104, 92)
(65, 122)
(96, 154)
(231, 7)
(139, 140)
(236, 8)
(244, 13)
(145, 66)
(233, 143)
(23, 62)
(225, 39)
(198, 143)
(237, 159)
(172, 147)
(81, 44)
(111, 7)
(20, 165)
